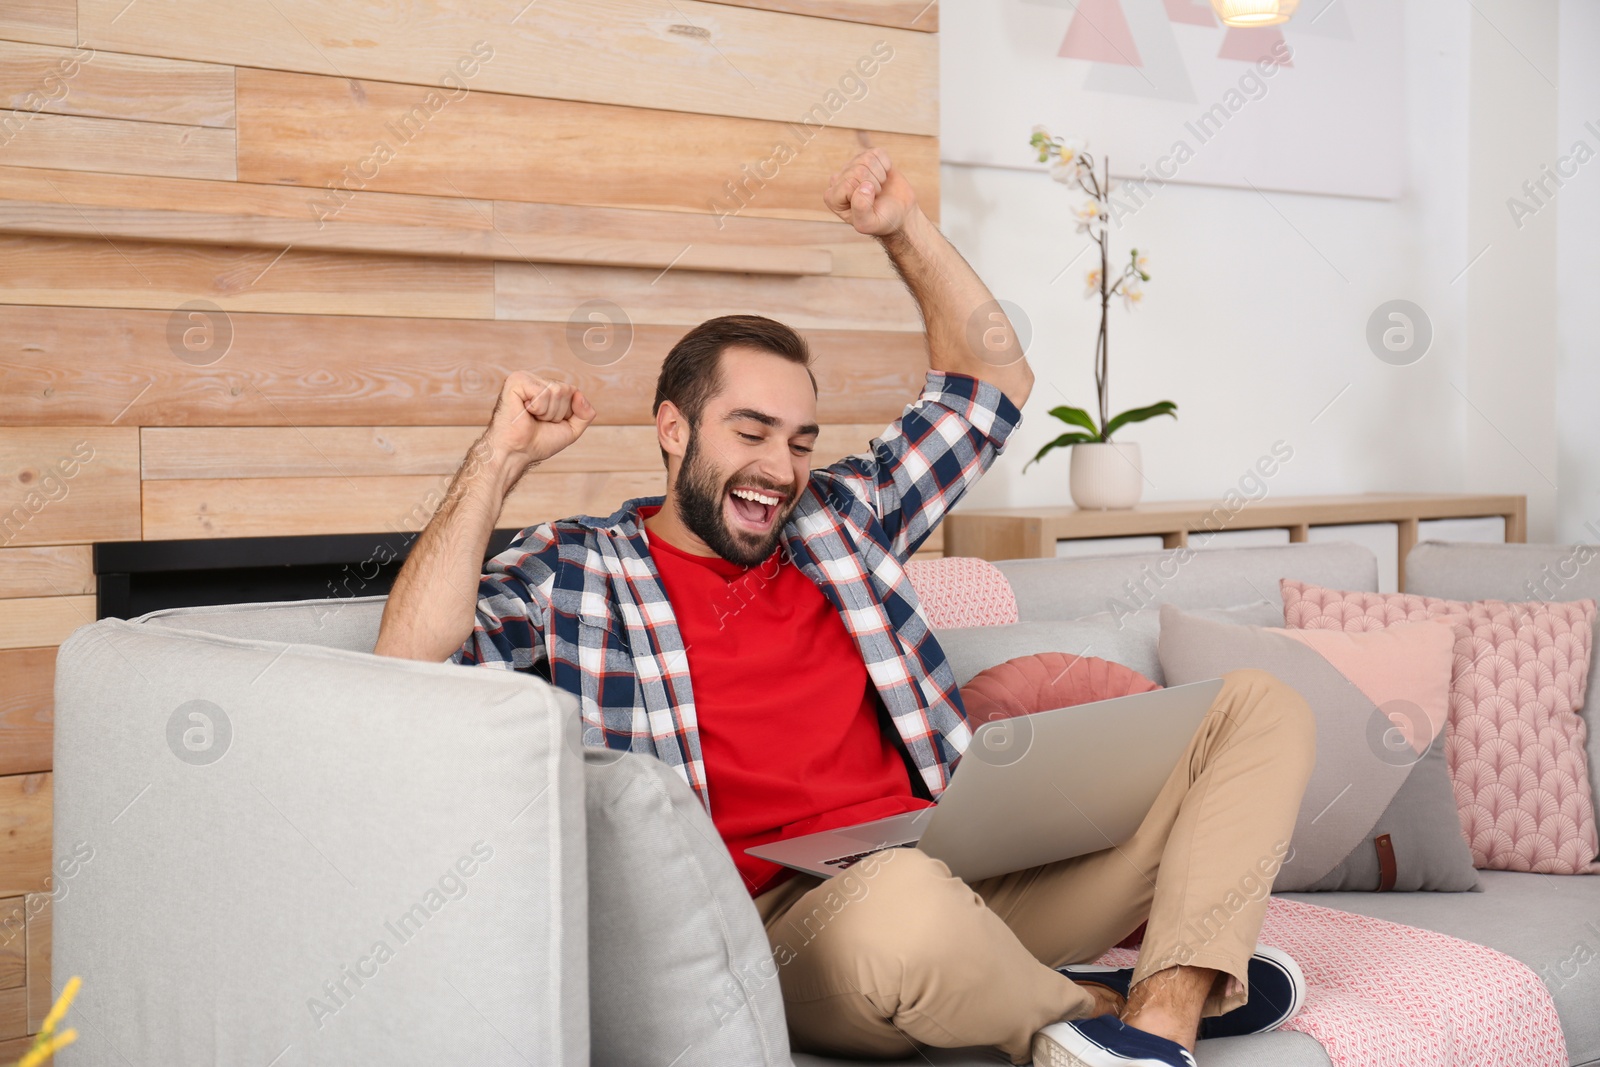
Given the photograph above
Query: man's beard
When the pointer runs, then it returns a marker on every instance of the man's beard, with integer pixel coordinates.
(700, 498)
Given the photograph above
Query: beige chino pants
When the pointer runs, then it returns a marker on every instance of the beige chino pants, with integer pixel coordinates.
(897, 950)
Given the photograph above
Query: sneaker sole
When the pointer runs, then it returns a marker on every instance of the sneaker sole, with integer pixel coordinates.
(1049, 1051)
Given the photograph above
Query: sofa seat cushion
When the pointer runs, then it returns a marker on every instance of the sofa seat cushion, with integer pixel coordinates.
(1549, 922)
(1382, 993)
(1281, 1048)
(1374, 987)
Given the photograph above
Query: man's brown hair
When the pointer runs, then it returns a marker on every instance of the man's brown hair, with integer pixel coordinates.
(692, 371)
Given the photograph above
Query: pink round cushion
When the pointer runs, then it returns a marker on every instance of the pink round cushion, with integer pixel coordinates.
(1044, 681)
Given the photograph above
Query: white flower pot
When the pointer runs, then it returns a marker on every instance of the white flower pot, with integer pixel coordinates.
(1106, 474)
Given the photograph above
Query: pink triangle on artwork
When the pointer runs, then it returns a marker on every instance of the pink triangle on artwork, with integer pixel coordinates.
(1254, 43)
(1406, 665)
(1191, 12)
(1099, 32)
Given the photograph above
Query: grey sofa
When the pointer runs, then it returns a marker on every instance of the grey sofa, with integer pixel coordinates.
(249, 804)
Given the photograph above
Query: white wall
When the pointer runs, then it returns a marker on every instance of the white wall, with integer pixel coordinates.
(1510, 377)
(1578, 279)
(1244, 325)
(1256, 314)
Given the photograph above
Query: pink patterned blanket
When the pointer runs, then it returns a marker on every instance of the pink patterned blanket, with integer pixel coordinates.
(1384, 995)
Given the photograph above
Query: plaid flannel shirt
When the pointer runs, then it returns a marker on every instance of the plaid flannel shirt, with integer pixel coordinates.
(579, 600)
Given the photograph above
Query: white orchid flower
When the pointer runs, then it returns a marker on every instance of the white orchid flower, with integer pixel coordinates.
(1090, 214)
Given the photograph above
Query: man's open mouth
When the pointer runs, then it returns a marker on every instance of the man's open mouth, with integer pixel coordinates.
(753, 509)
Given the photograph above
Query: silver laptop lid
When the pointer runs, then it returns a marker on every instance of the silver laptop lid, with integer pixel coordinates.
(1039, 788)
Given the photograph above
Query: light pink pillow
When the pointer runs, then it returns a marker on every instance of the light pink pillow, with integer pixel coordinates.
(962, 591)
(1515, 739)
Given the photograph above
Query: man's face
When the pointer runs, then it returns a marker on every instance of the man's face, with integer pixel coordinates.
(747, 460)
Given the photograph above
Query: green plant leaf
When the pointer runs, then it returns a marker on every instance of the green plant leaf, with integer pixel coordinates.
(1076, 417)
(1061, 442)
(1165, 407)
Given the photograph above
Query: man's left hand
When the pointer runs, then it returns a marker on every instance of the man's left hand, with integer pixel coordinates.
(871, 195)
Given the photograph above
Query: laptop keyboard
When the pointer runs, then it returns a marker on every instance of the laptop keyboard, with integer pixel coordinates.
(851, 860)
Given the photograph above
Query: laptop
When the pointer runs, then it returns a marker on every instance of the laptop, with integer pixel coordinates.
(1031, 789)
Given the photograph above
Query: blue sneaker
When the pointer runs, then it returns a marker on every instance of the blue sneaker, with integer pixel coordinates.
(1105, 1041)
(1277, 990)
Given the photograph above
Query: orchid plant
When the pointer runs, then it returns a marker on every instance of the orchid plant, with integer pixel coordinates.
(1075, 168)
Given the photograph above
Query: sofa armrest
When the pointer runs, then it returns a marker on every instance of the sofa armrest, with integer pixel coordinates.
(293, 854)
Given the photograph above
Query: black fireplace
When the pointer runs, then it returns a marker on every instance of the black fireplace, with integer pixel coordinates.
(135, 577)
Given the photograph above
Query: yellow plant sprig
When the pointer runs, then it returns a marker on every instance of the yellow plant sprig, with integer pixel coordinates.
(45, 1046)
(47, 1042)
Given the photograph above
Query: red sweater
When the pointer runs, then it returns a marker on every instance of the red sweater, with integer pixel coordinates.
(788, 717)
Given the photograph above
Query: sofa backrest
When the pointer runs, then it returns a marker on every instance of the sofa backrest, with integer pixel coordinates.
(1459, 570)
(1072, 587)
(350, 623)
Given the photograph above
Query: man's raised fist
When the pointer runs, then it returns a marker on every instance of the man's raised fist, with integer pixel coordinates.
(534, 418)
(871, 195)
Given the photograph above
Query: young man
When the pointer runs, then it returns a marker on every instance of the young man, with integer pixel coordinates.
(754, 629)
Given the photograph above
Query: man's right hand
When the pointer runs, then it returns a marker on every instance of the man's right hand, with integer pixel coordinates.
(534, 419)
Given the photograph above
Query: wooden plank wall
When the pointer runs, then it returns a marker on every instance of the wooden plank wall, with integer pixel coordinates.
(255, 255)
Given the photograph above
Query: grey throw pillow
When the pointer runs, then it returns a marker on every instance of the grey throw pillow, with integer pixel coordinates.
(1128, 638)
(1371, 795)
(680, 970)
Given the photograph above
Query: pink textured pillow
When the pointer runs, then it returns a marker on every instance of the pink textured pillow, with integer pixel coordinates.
(962, 591)
(1044, 681)
(1515, 739)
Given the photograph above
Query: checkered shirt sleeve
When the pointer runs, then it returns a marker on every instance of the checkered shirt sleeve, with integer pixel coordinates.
(930, 456)
(513, 599)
